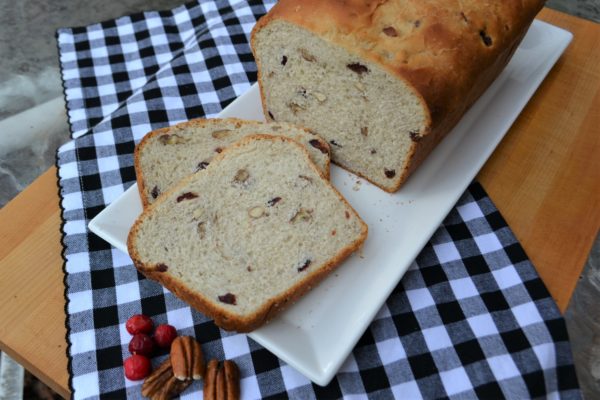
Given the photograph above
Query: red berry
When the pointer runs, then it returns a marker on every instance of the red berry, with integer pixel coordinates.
(139, 324)
(141, 344)
(137, 367)
(164, 335)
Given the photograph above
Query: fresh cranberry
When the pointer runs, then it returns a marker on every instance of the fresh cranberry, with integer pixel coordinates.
(137, 367)
(141, 344)
(164, 335)
(139, 323)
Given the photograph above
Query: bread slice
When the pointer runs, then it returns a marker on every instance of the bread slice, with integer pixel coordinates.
(167, 155)
(248, 235)
(383, 81)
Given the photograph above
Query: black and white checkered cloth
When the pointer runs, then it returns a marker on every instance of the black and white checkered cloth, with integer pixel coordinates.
(470, 319)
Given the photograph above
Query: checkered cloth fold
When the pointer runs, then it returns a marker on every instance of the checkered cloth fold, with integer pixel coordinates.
(471, 318)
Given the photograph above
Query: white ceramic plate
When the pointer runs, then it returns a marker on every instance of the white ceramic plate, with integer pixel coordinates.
(317, 334)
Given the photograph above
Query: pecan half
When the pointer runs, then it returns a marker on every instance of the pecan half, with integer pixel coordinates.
(161, 383)
(210, 380)
(154, 383)
(232, 380)
(222, 381)
(187, 360)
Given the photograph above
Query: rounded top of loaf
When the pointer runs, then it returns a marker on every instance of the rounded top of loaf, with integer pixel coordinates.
(447, 50)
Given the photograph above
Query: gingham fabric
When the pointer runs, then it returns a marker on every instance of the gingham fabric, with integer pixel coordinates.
(471, 318)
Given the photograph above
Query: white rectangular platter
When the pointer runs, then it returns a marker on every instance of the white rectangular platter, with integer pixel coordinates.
(318, 333)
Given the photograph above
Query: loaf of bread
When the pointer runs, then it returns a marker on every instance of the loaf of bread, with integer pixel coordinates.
(167, 155)
(249, 234)
(383, 81)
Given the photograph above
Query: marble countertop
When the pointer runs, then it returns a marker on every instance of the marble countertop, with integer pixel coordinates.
(33, 123)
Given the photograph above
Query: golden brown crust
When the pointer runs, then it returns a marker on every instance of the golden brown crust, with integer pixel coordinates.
(187, 360)
(447, 52)
(219, 314)
(139, 173)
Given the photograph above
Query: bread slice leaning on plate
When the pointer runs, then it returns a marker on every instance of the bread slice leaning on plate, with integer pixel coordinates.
(167, 155)
(248, 235)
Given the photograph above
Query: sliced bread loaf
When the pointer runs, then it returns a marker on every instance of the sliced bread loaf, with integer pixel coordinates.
(383, 81)
(248, 235)
(167, 155)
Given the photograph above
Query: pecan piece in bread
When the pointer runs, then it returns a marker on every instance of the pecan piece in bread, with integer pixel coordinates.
(222, 381)
(187, 360)
(162, 385)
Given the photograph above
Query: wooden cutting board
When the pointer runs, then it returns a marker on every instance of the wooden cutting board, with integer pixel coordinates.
(544, 177)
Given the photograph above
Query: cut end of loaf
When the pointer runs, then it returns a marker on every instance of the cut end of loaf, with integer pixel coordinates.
(421, 64)
(250, 234)
(370, 119)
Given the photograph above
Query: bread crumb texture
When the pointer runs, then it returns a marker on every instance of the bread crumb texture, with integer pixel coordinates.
(248, 232)
(167, 155)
